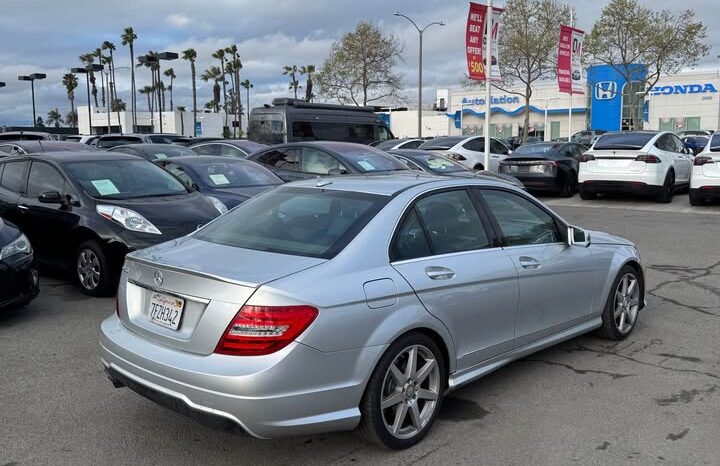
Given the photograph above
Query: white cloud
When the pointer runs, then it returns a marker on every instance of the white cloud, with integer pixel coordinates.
(177, 20)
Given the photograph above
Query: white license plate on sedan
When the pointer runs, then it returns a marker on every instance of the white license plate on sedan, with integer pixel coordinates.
(537, 169)
(166, 310)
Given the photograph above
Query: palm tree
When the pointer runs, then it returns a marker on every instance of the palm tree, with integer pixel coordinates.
(191, 55)
(149, 91)
(88, 59)
(128, 39)
(70, 82)
(308, 71)
(292, 71)
(181, 109)
(107, 45)
(247, 85)
(102, 61)
(235, 65)
(54, 118)
(220, 55)
(170, 73)
(71, 119)
(214, 74)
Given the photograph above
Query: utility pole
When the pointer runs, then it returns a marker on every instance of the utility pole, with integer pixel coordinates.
(488, 74)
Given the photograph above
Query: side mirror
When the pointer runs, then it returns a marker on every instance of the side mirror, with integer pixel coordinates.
(51, 197)
(577, 237)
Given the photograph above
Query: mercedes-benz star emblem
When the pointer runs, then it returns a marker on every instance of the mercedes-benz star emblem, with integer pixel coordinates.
(158, 278)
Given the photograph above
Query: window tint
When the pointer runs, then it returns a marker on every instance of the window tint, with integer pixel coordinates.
(178, 171)
(318, 162)
(207, 149)
(44, 178)
(677, 144)
(412, 145)
(6, 148)
(521, 221)
(280, 159)
(442, 143)
(231, 151)
(497, 147)
(452, 223)
(477, 145)
(12, 176)
(226, 173)
(664, 142)
(112, 141)
(410, 241)
(626, 140)
(125, 150)
(322, 131)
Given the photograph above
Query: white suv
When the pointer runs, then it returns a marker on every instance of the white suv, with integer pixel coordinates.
(636, 162)
(469, 151)
(705, 179)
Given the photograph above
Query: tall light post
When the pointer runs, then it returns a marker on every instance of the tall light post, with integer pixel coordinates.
(32, 78)
(86, 71)
(420, 63)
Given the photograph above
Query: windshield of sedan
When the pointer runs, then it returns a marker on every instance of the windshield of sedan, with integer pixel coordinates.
(296, 221)
(124, 179)
(534, 149)
(437, 164)
(234, 174)
(368, 160)
(629, 140)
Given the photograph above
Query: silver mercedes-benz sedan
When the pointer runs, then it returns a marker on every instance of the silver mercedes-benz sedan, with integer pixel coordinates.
(360, 302)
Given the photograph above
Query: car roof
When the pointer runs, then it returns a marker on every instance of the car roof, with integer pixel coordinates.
(50, 146)
(77, 156)
(197, 159)
(413, 153)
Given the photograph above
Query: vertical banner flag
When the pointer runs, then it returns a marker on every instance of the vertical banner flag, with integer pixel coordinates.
(475, 42)
(569, 65)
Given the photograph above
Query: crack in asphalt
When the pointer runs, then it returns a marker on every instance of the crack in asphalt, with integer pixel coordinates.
(686, 396)
(680, 357)
(614, 375)
(678, 436)
(691, 275)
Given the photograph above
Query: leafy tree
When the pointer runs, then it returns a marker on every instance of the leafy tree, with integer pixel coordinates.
(54, 118)
(308, 71)
(128, 39)
(70, 82)
(190, 55)
(360, 66)
(629, 35)
(292, 71)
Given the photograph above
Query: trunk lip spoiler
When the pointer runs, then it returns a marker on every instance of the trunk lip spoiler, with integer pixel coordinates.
(179, 269)
(169, 292)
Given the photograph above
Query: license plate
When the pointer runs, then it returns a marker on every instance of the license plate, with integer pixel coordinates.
(166, 310)
(537, 169)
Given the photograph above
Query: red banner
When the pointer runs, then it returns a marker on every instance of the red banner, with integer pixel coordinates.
(569, 64)
(474, 41)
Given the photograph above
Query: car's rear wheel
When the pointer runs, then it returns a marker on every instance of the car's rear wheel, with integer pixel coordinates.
(404, 393)
(668, 189)
(92, 270)
(696, 198)
(478, 167)
(587, 195)
(623, 305)
(569, 186)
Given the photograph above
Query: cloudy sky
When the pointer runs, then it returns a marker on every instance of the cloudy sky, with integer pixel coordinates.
(48, 35)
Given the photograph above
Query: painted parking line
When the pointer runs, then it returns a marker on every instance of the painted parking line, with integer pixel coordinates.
(680, 205)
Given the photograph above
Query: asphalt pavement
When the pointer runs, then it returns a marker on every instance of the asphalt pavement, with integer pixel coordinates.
(651, 399)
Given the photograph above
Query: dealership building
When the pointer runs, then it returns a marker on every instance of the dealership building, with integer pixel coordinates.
(684, 101)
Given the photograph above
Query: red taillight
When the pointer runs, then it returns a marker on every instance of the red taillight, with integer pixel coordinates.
(647, 158)
(702, 160)
(587, 157)
(259, 330)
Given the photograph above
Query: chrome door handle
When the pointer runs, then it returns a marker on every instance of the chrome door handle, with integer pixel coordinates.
(439, 273)
(23, 207)
(529, 263)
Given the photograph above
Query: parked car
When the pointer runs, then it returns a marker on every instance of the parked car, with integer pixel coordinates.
(41, 146)
(360, 302)
(187, 140)
(229, 181)
(695, 143)
(469, 151)
(514, 142)
(18, 268)
(391, 144)
(153, 152)
(227, 147)
(694, 132)
(586, 137)
(547, 166)
(432, 163)
(107, 141)
(85, 211)
(638, 162)
(705, 179)
(311, 159)
(25, 136)
(88, 139)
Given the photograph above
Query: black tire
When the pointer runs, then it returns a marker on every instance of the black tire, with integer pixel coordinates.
(696, 199)
(372, 425)
(90, 257)
(478, 167)
(569, 187)
(668, 189)
(609, 329)
(586, 195)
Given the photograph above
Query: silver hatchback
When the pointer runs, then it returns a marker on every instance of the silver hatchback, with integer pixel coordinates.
(360, 302)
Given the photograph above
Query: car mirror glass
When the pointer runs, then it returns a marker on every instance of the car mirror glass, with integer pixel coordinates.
(50, 197)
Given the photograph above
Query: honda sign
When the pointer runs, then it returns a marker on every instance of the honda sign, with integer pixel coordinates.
(605, 90)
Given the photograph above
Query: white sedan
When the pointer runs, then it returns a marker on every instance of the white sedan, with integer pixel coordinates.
(635, 162)
(705, 179)
(469, 151)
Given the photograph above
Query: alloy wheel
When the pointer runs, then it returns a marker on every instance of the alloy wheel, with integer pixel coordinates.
(88, 269)
(627, 303)
(410, 392)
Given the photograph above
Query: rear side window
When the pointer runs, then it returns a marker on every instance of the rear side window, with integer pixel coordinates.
(521, 222)
(12, 176)
(230, 151)
(207, 149)
(318, 162)
(412, 145)
(280, 159)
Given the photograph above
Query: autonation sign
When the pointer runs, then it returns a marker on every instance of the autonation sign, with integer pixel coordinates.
(683, 89)
(505, 99)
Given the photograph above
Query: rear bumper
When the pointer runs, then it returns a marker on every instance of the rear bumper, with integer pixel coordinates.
(539, 183)
(706, 192)
(628, 187)
(296, 391)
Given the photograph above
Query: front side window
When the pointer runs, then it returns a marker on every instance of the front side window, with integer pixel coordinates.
(318, 162)
(44, 178)
(12, 176)
(521, 222)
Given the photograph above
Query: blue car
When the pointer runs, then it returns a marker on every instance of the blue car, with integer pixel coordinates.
(225, 180)
(695, 143)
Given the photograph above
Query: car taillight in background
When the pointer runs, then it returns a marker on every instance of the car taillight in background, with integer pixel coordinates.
(702, 160)
(260, 330)
(647, 158)
(587, 157)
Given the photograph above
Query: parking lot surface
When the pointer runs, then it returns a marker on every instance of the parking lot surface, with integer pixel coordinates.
(651, 399)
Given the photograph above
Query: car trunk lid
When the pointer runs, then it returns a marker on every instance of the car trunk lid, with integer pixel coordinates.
(615, 161)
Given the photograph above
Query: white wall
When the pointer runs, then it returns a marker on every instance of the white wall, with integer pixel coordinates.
(212, 123)
(679, 106)
(404, 124)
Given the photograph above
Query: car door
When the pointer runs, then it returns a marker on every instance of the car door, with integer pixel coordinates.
(446, 251)
(12, 181)
(284, 161)
(683, 161)
(50, 227)
(556, 281)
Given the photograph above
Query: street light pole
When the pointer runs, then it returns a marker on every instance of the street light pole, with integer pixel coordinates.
(32, 79)
(420, 63)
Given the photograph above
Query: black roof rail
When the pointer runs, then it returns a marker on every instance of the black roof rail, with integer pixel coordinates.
(299, 103)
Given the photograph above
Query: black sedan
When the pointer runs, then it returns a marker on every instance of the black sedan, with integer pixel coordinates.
(153, 152)
(240, 148)
(227, 180)
(297, 161)
(18, 268)
(431, 162)
(38, 147)
(546, 166)
(85, 211)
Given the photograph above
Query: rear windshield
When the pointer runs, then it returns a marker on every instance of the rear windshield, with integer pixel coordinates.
(368, 159)
(715, 143)
(534, 149)
(296, 221)
(164, 138)
(106, 143)
(124, 179)
(437, 164)
(623, 141)
(441, 143)
(234, 174)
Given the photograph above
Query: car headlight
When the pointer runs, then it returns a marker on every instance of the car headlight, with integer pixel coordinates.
(129, 219)
(222, 208)
(20, 245)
